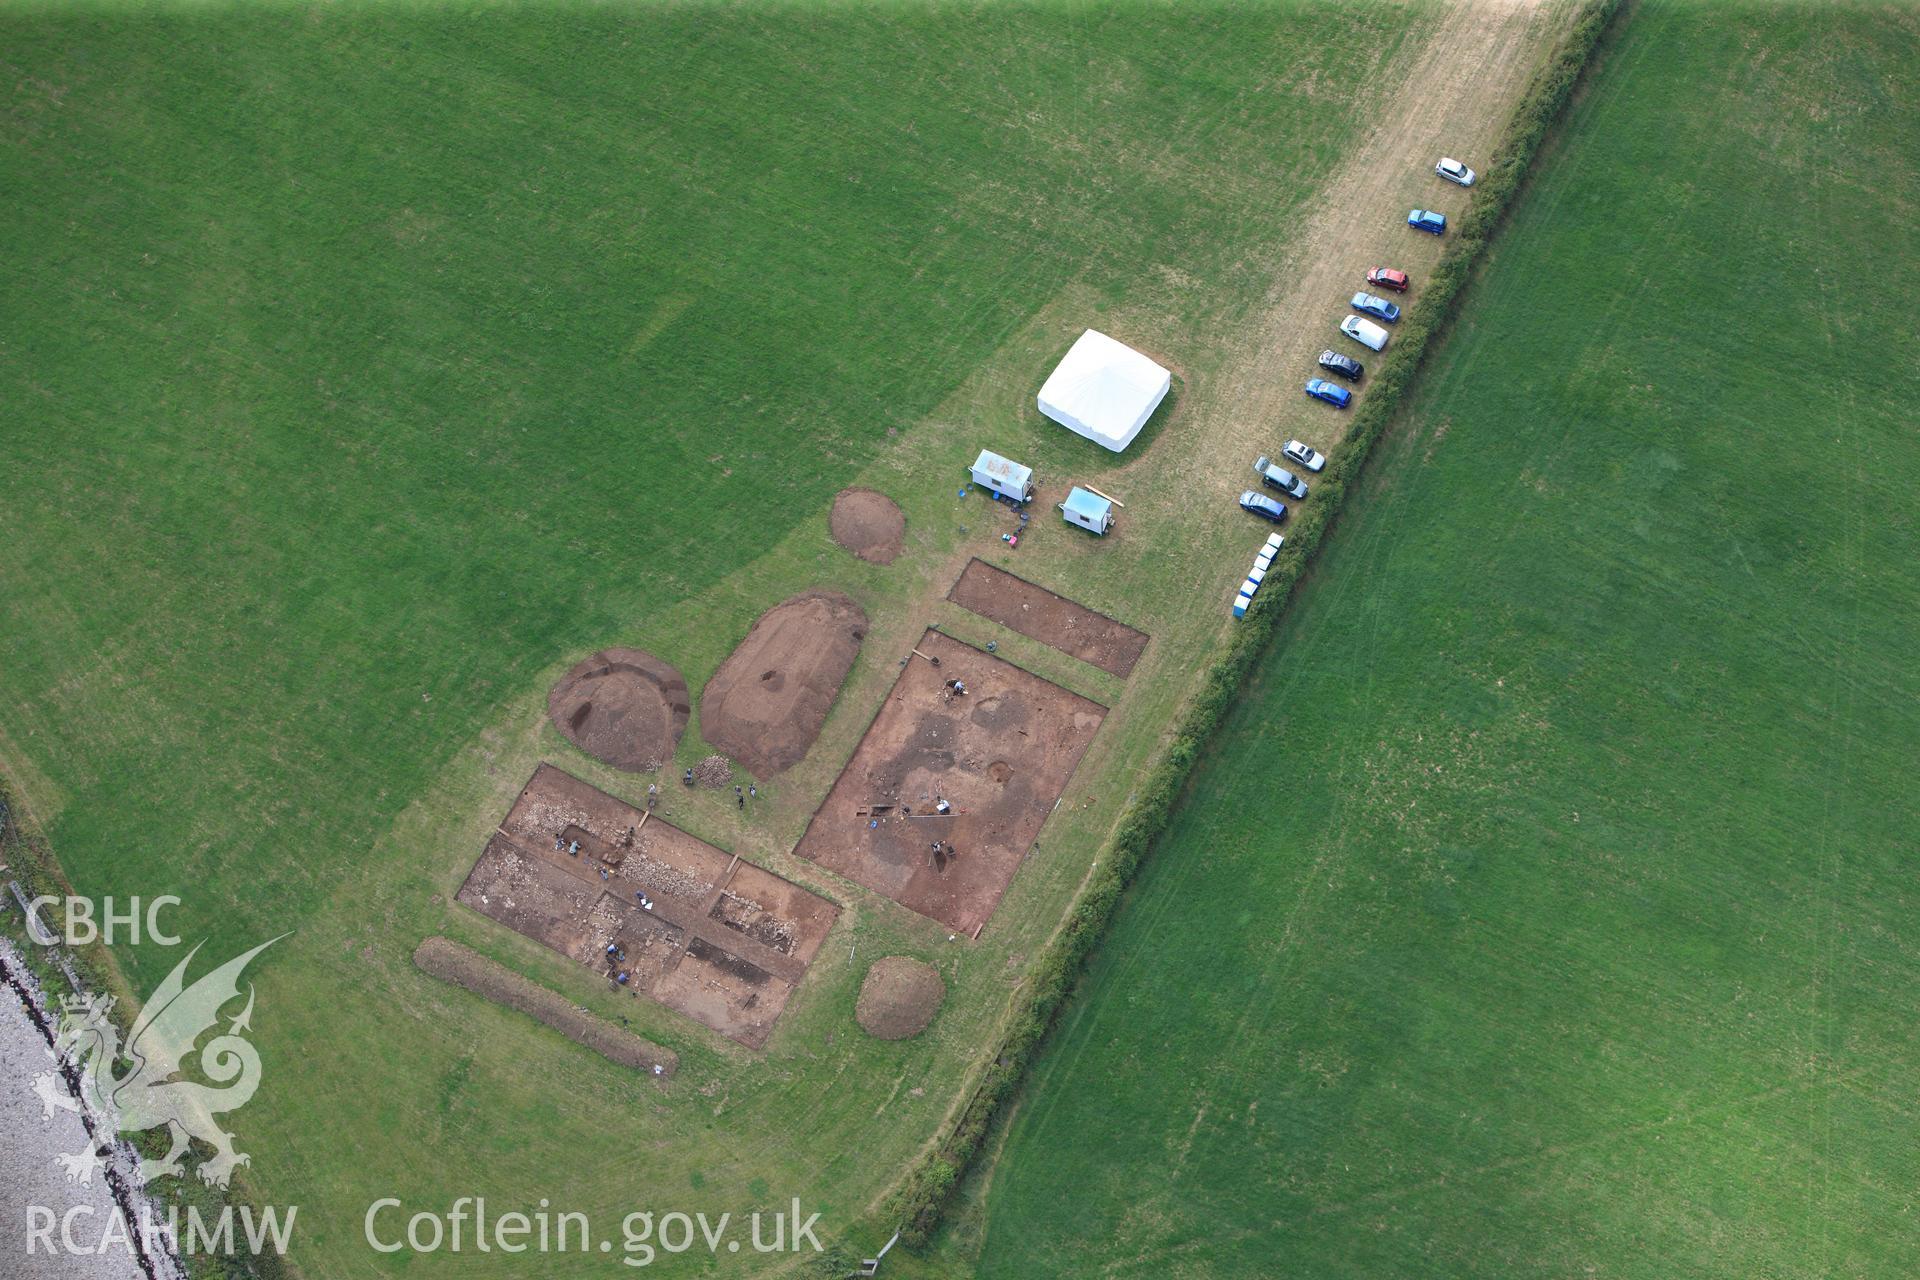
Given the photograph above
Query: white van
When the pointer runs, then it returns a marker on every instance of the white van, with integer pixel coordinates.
(1365, 332)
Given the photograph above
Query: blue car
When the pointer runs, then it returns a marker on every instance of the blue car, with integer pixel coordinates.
(1333, 393)
(1261, 505)
(1427, 220)
(1376, 307)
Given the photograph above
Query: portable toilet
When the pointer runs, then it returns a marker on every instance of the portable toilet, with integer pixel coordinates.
(1088, 510)
(1003, 476)
(1241, 603)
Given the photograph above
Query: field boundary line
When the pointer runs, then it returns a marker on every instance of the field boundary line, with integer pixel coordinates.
(919, 1204)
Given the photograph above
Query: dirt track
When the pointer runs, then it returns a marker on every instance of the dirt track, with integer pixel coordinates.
(1454, 100)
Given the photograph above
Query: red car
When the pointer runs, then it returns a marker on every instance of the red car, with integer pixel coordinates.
(1388, 278)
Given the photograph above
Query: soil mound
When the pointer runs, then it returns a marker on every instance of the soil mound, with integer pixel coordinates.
(448, 961)
(766, 703)
(869, 524)
(899, 998)
(622, 706)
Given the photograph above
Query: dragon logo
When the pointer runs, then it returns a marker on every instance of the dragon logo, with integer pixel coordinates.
(150, 1091)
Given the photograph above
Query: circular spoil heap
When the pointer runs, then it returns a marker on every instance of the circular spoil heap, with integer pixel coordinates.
(622, 706)
(899, 998)
(868, 524)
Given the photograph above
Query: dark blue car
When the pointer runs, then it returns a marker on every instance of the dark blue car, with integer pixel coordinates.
(1342, 366)
(1332, 392)
(1427, 220)
(1263, 506)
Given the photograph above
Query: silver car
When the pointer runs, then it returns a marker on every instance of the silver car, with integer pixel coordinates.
(1305, 455)
(1453, 171)
(1280, 478)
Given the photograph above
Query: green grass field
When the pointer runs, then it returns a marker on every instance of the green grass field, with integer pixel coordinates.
(366, 366)
(405, 350)
(1549, 907)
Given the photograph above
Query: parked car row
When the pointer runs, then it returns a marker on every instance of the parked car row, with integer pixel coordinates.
(1277, 477)
(1362, 328)
(1426, 219)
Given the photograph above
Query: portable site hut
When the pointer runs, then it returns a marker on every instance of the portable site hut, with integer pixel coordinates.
(1104, 390)
(1003, 476)
(1088, 510)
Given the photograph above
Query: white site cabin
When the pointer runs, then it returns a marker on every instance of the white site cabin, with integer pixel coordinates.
(1104, 390)
(1003, 476)
(1091, 511)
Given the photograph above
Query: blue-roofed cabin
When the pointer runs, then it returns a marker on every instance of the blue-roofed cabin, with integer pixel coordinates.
(1088, 510)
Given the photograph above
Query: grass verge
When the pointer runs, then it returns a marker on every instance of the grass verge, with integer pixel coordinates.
(923, 1196)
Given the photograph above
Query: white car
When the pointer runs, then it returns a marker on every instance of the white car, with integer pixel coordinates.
(1304, 454)
(1453, 171)
(1364, 332)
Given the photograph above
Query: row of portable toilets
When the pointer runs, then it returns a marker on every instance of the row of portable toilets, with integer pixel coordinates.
(1256, 575)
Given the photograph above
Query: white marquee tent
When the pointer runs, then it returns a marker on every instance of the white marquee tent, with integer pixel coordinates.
(1104, 390)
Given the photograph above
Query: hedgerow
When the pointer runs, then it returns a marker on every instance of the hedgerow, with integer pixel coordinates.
(921, 1199)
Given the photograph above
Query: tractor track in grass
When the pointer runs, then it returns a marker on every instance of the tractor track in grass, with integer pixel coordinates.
(1456, 96)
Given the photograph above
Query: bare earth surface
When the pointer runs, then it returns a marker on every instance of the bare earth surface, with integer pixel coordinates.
(1054, 620)
(869, 524)
(622, 706)
(766, 703)
(1000, 755)
(464, 967)
(723, 942)
(899, 997)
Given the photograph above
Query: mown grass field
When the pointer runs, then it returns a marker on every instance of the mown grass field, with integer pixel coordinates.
(1570, 823)
(363, 368)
